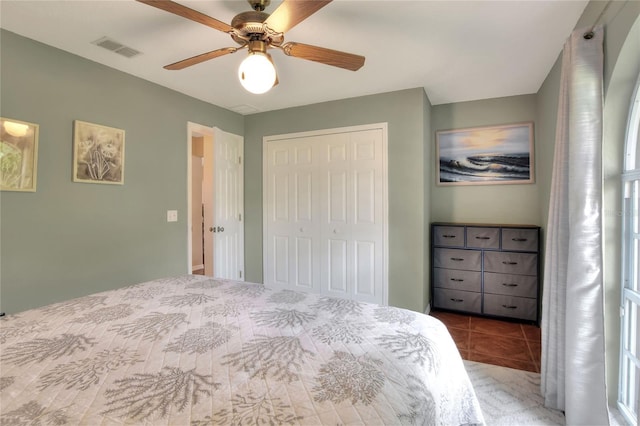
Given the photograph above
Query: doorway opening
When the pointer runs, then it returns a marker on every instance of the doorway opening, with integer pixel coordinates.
(215, 202)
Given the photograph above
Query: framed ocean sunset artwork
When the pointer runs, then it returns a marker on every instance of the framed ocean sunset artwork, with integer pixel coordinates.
(485, 155)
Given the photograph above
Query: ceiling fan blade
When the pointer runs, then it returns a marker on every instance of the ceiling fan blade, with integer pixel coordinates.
(200, 58)
(291, 12)
(323, 55)
(185, 12)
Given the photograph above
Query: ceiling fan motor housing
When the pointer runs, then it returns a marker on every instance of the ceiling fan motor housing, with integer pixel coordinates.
(250, 26)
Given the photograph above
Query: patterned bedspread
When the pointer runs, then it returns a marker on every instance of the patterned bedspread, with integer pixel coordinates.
(195, 351)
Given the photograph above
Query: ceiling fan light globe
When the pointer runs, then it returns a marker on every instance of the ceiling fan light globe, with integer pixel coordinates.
(257, 73)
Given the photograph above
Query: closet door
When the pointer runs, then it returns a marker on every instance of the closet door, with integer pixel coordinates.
(351, 238)
(325, 212)
(291, 234)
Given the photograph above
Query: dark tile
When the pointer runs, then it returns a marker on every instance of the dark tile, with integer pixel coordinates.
(461, 337)
(531, 332)
(504, 362)
(504, 347)
(452, 320)
(496, 327)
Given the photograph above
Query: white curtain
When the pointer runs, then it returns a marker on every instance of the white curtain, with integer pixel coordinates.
(573, 361)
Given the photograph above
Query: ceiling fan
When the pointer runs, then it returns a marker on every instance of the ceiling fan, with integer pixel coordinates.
(259, 31)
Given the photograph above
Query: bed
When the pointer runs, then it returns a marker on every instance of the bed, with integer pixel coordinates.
(192, 350)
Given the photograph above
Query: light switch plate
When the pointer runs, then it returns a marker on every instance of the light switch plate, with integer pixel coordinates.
(172, 215)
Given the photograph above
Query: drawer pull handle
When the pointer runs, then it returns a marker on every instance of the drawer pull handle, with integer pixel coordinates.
(510, 285)
(483, 238)
(509, 263)
(519, 239)
(509, 307)
(457, 259)
(448, 236)
(458, 280)
(457, 300)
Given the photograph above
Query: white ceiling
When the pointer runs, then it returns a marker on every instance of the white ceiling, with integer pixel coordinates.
(457, 50)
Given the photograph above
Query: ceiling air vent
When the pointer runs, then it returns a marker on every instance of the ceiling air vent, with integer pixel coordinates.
(244, 109)
(114, 46)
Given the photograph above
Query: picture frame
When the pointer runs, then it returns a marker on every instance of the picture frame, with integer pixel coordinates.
(98, 153)
(18, 155)
(489, 155)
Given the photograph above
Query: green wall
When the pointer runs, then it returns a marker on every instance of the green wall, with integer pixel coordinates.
(509, 204)
(69, 239)
(406, 113)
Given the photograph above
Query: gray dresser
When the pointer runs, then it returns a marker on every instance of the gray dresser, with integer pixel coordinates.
(490, 270)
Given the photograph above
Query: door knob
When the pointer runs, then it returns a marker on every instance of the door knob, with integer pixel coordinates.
(220, 228)
(212, 229)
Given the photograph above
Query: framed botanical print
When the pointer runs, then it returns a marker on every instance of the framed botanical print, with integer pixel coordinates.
(98, 153)
(18, 155)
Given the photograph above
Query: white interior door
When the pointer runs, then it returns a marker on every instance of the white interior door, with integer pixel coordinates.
(228, 229)
(325, 221)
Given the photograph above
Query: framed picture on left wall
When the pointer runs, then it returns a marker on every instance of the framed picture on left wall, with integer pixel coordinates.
(18, 155)
(98, 153)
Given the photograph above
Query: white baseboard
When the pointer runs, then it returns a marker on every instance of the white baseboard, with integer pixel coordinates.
(428, 309)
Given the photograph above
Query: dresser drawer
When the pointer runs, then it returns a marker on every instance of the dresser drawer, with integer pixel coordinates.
(510, 306)
(488, 238)
(457, 280)
(467, 260)
(520, 239)
(511, 263)
(448, 236)
(512, 285)
(457, 300)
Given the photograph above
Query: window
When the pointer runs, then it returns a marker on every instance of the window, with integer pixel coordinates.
(629, 379)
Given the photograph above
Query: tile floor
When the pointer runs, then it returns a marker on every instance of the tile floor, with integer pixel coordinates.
(509, 344)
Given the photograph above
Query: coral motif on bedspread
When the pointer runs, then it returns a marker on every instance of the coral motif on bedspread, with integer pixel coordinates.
(197, 351)
(40, 350)
(145, 396)
(203, 339)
